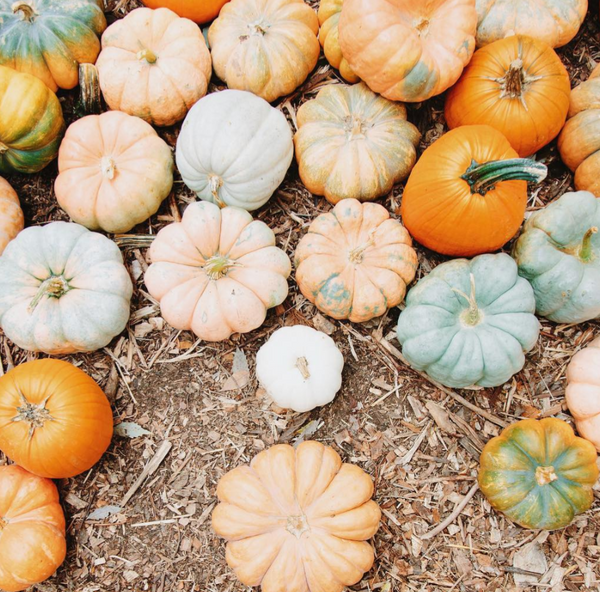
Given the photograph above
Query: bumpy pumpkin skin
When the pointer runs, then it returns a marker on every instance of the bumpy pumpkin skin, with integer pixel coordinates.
(297, 520)
(469, 322)
(519, 86)
(31, 123)
(154, 65)
(11, 215)
(199, 12)
(50, 38)
(217, 272)
(555, 22)
(352, 143)
(41, 401)
(114, 172)
(559, 253)
(355, 262)
(538, 473)
(32, 529)
(406, 63)
(63, 289)
(267, 47)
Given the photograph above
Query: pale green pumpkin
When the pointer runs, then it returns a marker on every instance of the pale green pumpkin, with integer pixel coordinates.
(469, 322)
(559, 253)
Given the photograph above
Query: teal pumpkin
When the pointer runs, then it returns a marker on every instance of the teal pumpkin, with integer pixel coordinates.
(469, 322)
(559, 253)
(539, 473)
(50, 38)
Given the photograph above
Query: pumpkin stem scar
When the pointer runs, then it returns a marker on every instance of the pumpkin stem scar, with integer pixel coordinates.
(586, 253)
(297, 525)
(354, 127)
(214, 184)
(54, 287)
(35, 415)
(545, 475)
(148, 55)
(25, 9)
(357, 254)
(3, 524)
(422, 27)
(484, 177)
(108, 167)
(472, 316)
(302, 365)
(515, 82)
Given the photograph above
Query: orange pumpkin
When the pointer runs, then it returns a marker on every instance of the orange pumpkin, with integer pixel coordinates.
(519, 86)
(11, 215)
(467, 194)
(32, 529)
(55, 421)
(200, 11)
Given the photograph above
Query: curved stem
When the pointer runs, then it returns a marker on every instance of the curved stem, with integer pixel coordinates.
(473, 315)
(53, 287)
(25, 9)
(357, 254)
(148, 55)
(586, 253)
(484, 177)
(108, 167)
(302, 365)
(214, 184)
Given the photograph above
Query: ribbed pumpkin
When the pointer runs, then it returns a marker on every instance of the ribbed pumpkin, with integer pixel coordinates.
(408, 51)
(352, 143)
(32, 529)
(463, 197)
(50, 38)
(31, 123)
(519, 86)
(200, 11)
(11, 215)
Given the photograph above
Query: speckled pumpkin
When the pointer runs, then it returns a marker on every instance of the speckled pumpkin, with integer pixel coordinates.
(11, 215)
(538, 473)
(355, 262)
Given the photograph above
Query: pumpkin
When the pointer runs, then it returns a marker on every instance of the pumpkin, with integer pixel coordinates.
(200, 12)
(11, 215)
(352, 143)
(583, 391)
(55, 421)
(329, 19)
(114, 170)
(300, 368)
(31, 123)
(217, 272)
(519, 86)
(579, 141)
(469, 322)
(297, 519)
(154, 65)
(538, 473)
(267, 47)
(63, 289)
(234, 149)
(355, 262)
(32, 529)
(408, 51)
(555, 22)
(464, 196)
(49, 38)
(559, 253)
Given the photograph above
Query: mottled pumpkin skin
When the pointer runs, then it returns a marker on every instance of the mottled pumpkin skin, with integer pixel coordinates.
(519, 86)
(31, 123)
(11, 215)
(352, 143)
(200, 11)
(538, 473)
(555, 22)
(549, 255)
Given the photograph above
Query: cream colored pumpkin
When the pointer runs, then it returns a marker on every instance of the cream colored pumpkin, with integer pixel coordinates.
(267, 47)
(115, 171)
(11, 215)
(154, 65)
(583, 392)
(217, 272)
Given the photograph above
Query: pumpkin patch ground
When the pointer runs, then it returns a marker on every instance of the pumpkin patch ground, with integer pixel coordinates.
(141, 518)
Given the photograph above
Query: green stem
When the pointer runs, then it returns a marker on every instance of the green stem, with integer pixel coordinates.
(472, 316)
(586, 253)
(484, 177)
(53, 287)
(148, 55)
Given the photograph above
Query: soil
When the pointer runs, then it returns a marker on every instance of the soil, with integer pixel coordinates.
(181, 391)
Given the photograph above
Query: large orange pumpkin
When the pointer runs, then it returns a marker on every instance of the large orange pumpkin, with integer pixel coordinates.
(519, 86)
(467, 194)
(32, 529)
(11, 215)
(55, 421)
(200, 11)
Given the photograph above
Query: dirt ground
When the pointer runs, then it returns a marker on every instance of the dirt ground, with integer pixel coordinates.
(181, 391)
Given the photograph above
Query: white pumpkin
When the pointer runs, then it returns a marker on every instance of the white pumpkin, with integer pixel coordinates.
(63, 289)
(234, 149)
(300, 368)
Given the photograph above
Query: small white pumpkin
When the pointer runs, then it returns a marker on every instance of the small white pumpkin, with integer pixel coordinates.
(63, 289)
(300, 368)
(234, 149)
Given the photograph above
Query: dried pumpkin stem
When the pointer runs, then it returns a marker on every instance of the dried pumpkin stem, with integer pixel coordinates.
(515, 81)
(3, 524)
(214, 184)
(473, 314)
(108, 167)
(545, 475)
(25, 9)
(53, 287)
(148, 55)
(36, 415)
(297, 525)
(586, 253)
(302, 365)
(3, 148)
(484, 177)
(357, 254)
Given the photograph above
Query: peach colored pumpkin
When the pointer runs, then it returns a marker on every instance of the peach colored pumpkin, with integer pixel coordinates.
(154, 64)
(115, 171)
(583, 392)
(297, 520)
(11, 215)
(217, 272)
(267, 47)
(355, 262)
